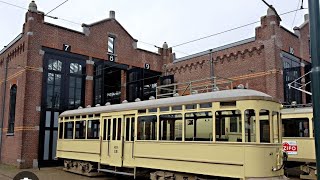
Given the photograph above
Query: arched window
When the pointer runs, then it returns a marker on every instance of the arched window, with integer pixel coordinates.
(12, 108)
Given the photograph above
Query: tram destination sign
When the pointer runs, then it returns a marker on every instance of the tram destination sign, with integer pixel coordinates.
(290, 147)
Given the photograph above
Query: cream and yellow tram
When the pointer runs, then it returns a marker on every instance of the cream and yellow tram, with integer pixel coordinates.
(231, 133)
(298, 138)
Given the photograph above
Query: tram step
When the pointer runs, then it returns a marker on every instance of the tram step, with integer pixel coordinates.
(115, 172)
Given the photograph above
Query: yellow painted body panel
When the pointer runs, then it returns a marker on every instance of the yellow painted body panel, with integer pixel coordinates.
(306, 145)
(88, 150)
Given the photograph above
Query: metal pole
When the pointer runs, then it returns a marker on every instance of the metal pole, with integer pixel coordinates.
(3, 103)
(315, 82)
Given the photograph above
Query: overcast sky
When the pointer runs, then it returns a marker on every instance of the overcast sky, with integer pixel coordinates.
(173, 21)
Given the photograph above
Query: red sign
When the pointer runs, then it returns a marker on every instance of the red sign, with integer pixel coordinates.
(290, 147)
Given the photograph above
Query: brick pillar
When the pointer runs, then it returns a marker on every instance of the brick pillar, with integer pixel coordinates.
(123, 85)
(88, 100)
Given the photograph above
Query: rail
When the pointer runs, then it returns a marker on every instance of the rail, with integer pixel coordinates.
(194, 87)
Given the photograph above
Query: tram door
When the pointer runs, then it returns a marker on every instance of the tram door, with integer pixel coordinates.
(116, 141)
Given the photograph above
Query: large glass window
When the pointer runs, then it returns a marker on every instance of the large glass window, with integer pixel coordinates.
(107, 84)
(199, 126)
(71, 74)
(295, 127)
(93, 129)
(141, 83)
(291, 72)
(171, 127)
(228, 126)
(147, 128)
(12, 108)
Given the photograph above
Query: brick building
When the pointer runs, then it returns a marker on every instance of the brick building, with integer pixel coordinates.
(48, 69)
(266, 62)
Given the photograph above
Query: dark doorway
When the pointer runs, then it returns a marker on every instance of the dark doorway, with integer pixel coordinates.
(63, 89)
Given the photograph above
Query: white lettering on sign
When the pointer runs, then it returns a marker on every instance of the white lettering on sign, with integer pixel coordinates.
(290, 147)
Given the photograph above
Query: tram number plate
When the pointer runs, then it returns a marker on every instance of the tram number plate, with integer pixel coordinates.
(115, 149)
(290, 147)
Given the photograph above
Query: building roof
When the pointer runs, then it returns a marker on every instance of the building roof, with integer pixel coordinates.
(225, 95)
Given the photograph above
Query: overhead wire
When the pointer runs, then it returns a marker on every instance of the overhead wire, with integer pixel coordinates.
(295, 14)
(13, 5)
(56, 7)
(232, 29)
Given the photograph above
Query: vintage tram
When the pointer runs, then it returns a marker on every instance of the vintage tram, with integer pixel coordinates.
(230, 133)
(298, 138)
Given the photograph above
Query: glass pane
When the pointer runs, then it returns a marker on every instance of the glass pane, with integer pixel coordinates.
(206, 105)
(93, 129)
(228, 126)
(191, 106)
(80, 130)
(132, 128)
(54, 145)
(56, 119)
(127, 129)
(264, 126)
(110, 44)
(72, 82)
(119, 129)
(68, 130)
(50, 78)
(48, 118)
(109, 129)
(57, 79)
(46, 145)
(250, 125)
(176, 108)
(78, 82)
(114, 128)
(199, 126)
(295, 127)
(147, 128)
(171, 127)
(60, 130)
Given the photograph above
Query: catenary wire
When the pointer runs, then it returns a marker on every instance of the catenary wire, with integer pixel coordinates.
(232, 29)
(57, 7)
(295, 14)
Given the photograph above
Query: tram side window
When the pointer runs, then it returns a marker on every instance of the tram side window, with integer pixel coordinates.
(60, 130)
(250, 125)
(199, 126)
(107, 129)
(68, 130)
(80, 130)
(228, 126)
(171, 127)
(147, 128)
(295, 127)
(130, 129)
(264, 126)
(93, 130)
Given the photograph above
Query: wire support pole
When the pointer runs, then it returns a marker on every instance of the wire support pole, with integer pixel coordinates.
(315, 82)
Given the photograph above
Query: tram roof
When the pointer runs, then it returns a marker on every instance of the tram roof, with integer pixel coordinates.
(297, 110)
(217, 96)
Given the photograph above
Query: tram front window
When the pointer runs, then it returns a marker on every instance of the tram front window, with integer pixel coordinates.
(250, 125)
(295, 127)
(264, 126)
